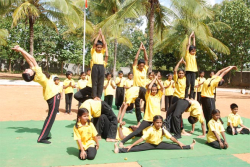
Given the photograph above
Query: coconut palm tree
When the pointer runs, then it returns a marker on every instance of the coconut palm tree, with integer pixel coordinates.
(3, 35)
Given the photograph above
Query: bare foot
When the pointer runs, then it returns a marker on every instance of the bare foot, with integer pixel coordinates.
(192, 145)
(111, 140)
(96, 98)
(121, 145)
(116, 149)
(184, 133)
(99, 138)
(201, 136)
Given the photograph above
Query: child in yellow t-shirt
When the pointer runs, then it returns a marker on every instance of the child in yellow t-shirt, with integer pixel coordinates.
(153, 137)
(201, 79)
(215, 128)
(85, 135)
(88, 74)
(127, 85)
(234, 120)
(81, 84)
(119, 93)
(109, 87)
(68, 85)
(169, 91)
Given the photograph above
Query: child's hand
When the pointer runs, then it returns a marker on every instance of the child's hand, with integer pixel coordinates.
(100, 31)
(141, 46)
(233, 131)
(221, 144)
(123, 123)
(129, 147)
(97, 146)
(226, 144)
(192, 34)
(83, 155)
(181, 145)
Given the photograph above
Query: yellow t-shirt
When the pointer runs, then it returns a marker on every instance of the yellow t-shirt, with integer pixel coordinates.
(89, 83)
(86, 134)
(148, 81)
(215, 126)
(49, 87)
(196, 111)
(97, 58)
(170, 90)
(109, 89)
(235, 119)
(208, 91)
(153, 106)
(66, 83)
(118, 79)
(93, 106)
(200, 80)
(191, 64)
(140, 76)
(131, 94)
(87, 77)
(129, 83)
(180, 86)
(126, 131)
(158, 84)
(154, 136)
(82, 83)
(60, 88)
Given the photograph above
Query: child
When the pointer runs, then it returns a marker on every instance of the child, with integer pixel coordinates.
(50, 92)
(129, 82)
(207, 93)
(68, 85)
(153, 99)
(85, 135)
(151, 76)
(119, 94)
(200, 80)
(215, 129)
(219, 84)
(109, 87)
(88, 76)
(169, 91)
(195, 89)
(82, 83)
(59, 87)
(160, 81)
(191, 66)
(234, 120)
(154, 136)
(98, 71)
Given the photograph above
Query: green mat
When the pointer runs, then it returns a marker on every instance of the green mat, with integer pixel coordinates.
(19, 147)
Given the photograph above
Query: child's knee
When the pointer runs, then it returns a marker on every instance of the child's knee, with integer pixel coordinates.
(91, 157)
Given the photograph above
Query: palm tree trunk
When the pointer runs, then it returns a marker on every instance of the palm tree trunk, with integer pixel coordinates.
(31, 24)
(115, 55)
(151, 34)
(241, 68)
(10, 66)
(47, 64)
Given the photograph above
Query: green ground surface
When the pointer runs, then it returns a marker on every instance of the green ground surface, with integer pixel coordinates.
(19, 148)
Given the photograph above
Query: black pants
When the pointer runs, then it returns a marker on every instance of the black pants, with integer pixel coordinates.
(208, 105)
(83, 94)
(107, 110)
(148, 146)
(190, 80)
(102, 125)
(194, 95)
(230, 131)
(109, 99)
(119, 96)
(91, 153)
(174, 100)
(143, 125)
(199, 97)
(142, 93)
(176, 111)
(59, 102)
(216, 144)
(97, 76)
(53, 104)
(68, 101)
(168, 102)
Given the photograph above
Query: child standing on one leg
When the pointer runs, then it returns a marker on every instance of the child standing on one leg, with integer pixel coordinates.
(82, 83)
(119, 94)
(215, 129)
(234, 120)
(98, 71)
(191, 66)
(86, 136)
(68, 85)
(109, 87)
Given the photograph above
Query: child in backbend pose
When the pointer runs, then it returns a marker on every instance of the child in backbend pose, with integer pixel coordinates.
(234, 120)
(68, 85)
(109, 87)
(215, 129)
(85, 135)
(153, 137)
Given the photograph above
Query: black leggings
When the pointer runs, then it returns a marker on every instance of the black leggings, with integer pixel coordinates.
(143, 125)
(109, 99)
(216, 144)
(97, 76)
(208, 105)
(230, 131)
(119, 96)
(141, 95)
(148, 146)
(68, 98)
(83, 94)
(91, 153)
(199, 97)
(190, 80)
(102, 125)
(168, 102)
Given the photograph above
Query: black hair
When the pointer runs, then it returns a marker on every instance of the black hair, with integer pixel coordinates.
(199, 74)
(233, 106)
(80, 112)
(130, 73)
(192, 120)
(159, 117)
(191, 48)
(99, 43)
(120, 72)
(27, 77)
(215, 111)
(108, 75)
(68, 73)
(169, 75)
(88, 70)
(210, 82)
(56, 78)
(178, 73)
(141, 61)
(82, 73)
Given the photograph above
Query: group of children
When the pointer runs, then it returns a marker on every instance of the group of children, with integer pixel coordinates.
(96, 119)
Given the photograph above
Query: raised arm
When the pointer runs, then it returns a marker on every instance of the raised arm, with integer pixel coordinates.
(177, 65)
(98, 36)
(194, 39)
(107, 54)
(160, 83)
(137, 55)
(151, 84)
(145, 54)
(189, 40)
(103, 40)
(227, 70)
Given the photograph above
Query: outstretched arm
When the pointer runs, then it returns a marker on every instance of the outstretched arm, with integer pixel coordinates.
(98, 36)
(137, 55)
(178, 64)
(135, 143)
(189, 40)
(103, 40)
(145, 54)
(227, 70)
